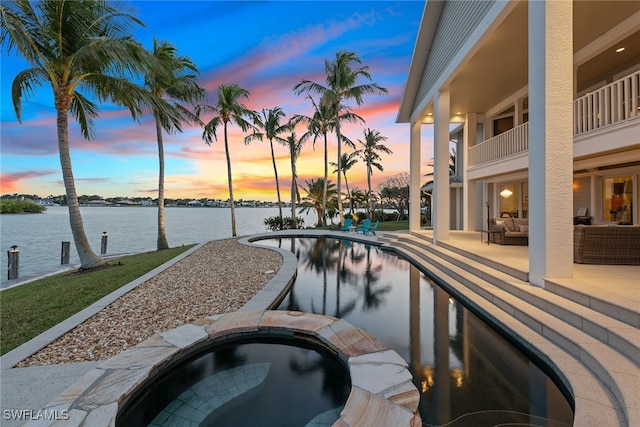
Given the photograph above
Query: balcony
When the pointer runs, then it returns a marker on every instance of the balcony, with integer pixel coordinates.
(608, 107)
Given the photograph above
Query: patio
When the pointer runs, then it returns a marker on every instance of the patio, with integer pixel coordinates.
(616, 284)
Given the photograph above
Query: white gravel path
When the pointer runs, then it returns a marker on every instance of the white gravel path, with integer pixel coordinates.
(218, 278)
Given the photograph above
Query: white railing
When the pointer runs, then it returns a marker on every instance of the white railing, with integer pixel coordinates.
(612, 104)
(509, 143)
(615, 103)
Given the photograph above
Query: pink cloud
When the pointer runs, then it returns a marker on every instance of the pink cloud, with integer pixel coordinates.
(11, 182)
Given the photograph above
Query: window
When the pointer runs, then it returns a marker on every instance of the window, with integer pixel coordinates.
(617, 199)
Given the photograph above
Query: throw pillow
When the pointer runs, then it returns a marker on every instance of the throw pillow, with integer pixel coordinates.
(524, 228)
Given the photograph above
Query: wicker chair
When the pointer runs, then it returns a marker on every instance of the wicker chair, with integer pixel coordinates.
(608, 244)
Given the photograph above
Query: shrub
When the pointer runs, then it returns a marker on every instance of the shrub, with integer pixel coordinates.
(275, 223)
(20, 206)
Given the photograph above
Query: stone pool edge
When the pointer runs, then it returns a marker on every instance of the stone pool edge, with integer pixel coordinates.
(382, 391)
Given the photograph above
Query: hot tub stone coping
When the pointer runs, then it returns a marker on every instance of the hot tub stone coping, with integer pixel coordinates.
(381, 383)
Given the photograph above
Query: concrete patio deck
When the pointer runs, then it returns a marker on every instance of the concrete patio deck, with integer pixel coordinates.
(616, 284)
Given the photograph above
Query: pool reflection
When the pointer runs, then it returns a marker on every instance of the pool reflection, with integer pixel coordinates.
(467, 373)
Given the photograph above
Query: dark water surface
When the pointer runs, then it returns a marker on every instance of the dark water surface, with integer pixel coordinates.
(261, 383)
(467, 373)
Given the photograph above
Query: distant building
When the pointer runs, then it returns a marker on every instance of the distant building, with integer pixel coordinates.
(93, 203)
(194, 203)
(46, 202)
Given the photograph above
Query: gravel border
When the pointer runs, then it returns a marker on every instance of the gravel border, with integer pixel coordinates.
(218, 278)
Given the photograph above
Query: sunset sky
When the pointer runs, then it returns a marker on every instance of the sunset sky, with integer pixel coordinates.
(266, 48)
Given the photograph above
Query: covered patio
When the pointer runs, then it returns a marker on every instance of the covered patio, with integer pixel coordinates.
(614, 285)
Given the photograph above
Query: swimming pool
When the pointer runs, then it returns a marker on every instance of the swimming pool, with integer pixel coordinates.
(467, 373)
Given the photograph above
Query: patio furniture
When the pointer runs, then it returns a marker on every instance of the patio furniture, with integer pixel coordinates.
(366, 225)
(509, 231)
(606, 244)
(373, 229)
(348, 224)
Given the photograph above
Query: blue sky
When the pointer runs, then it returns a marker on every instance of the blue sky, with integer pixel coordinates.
(265, 47)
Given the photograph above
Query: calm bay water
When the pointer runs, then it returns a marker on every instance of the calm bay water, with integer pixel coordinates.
(39, 237)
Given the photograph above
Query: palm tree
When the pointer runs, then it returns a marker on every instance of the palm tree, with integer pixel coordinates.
(315, 196)
(74, 46)
(346, 162)
(178, 86)
(320, 124)
(341, 85)
(269, 122)
(295, 145)
(359, 197)
(227, 110)
(371, 146)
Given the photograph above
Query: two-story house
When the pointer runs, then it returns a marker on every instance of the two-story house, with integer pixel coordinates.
(548, 93)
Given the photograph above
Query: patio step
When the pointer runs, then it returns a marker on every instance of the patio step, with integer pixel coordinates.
(610, 356)
(594, 322)
(608, 308)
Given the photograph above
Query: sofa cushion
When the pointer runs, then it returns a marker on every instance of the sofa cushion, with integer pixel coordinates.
(516, 234)
(520, 221)
(510, 224)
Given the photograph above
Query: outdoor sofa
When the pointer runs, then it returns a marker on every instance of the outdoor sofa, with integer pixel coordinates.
(509, 231)
(606, 244)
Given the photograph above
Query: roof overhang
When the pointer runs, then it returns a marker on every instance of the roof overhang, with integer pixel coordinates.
(424, 41)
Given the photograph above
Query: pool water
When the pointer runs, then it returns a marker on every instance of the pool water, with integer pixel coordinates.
(265, 383)
(467, 373)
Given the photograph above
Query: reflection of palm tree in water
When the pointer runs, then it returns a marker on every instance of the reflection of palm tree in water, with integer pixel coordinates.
(323, 256)
(292, 302)
(373, 298)
(335, 381)
(228, 357)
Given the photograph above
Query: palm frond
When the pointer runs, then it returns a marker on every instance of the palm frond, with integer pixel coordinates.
(85, 112)
(23, 86)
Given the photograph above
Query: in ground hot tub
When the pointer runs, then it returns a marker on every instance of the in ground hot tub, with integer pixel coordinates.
(264, 382)
(215, 369)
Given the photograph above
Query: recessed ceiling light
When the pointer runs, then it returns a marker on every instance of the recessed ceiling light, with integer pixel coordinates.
(620, 49)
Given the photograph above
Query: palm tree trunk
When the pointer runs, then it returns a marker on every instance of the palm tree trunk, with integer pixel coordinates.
(232, 204)
(275, 171)
(326, 178)
(339, 185)
(349, 195)
(88, 259)
(369, 187)
(162, 236)
(294, 192)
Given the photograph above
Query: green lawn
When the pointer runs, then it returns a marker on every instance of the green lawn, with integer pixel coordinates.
(32, 308)
(394, 225)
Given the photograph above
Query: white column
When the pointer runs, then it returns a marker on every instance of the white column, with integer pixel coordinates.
(441, 196)
(518, 112)
(550, 140)
(469, 196)
(414, 177)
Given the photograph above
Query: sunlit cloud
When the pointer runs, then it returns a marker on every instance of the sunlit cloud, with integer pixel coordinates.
(11, 182)
(266, 60)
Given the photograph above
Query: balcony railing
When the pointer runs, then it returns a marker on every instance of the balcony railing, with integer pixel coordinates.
(610, 105)
(509, 143)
